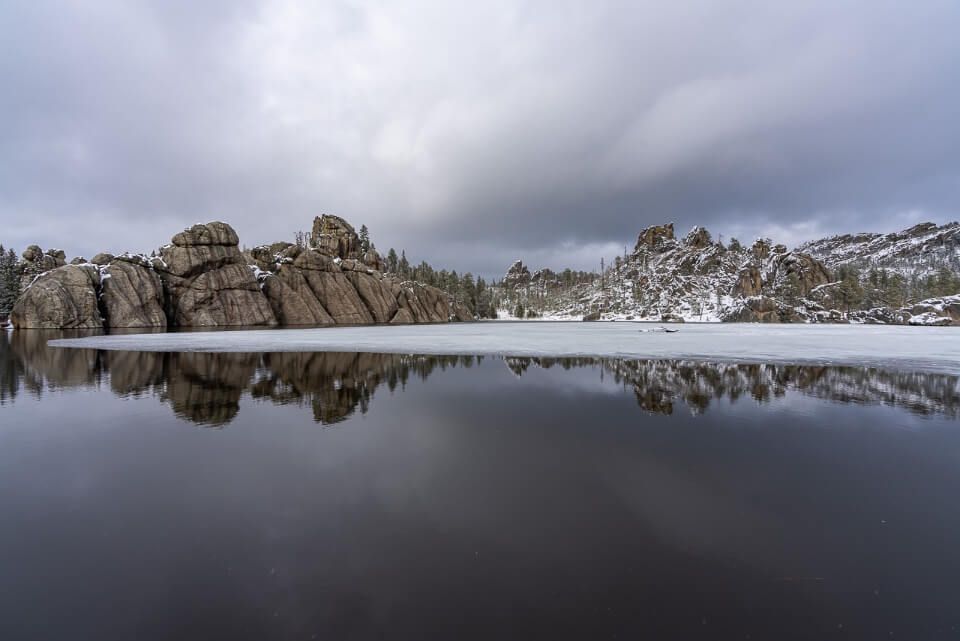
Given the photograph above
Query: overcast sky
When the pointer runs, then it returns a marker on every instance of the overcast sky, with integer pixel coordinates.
(473, 133)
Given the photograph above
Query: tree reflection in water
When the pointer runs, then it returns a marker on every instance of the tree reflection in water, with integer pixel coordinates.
(206, 388)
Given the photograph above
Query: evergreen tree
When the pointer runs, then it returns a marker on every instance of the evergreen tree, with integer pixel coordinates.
(735, 245)
(895, 291)
(364, 239)
(468, 289)
(9, 280)
(403, 266)
(948, 283)
(851, 293)
(791, 289)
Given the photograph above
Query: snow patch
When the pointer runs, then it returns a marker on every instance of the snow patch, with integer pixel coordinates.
(888, 346)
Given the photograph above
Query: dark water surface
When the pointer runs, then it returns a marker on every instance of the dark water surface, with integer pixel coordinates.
(360, 496)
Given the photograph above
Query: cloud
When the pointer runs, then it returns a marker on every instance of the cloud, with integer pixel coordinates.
(470, 133)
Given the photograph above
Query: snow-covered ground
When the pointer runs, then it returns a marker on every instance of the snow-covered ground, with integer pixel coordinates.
(900, 347)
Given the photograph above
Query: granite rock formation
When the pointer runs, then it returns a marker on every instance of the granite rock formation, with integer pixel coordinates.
(203, 279)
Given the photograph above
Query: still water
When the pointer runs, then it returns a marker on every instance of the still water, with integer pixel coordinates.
(359, 496)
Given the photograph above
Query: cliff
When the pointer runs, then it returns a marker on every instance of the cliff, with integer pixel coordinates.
(202, 279)
(911, 280)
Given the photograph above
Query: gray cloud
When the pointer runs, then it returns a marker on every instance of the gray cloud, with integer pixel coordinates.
(471, 135)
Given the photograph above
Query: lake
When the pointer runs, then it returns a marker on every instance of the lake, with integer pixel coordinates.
(344, 495)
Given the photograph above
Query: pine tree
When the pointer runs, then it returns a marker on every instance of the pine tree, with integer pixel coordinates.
(895, 290)
(947, 283)
(851, 293)
(9, 280)
(364, 239)
(403, 266)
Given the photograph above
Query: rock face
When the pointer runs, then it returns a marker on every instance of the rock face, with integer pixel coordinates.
(655, 237)
(36, 262)
(63, 298)
(517, 276)
(693, 279)
(925, 243)
(334, 236)
(202, 279)
(131, 294)
(207, 282)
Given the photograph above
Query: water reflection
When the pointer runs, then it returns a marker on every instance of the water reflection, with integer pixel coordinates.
(206, 388)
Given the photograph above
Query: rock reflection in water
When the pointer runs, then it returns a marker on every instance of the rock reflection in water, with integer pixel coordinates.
(206, 388)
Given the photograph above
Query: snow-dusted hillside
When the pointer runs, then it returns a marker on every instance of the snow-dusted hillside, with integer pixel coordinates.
(922, 250)
(869, 278)
(687, 279)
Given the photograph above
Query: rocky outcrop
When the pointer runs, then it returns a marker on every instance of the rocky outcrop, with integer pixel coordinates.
(376, 294)
(131, 294)
(62, 298)
(203, 279)
(800, 271)
(691, 279)
(335, 237)
(36, 262)
(292, 300)
(517, 275)
(423, 303)
(907, 251)
(698, 238)
(655, 237)
(749, 282)
(207, 282)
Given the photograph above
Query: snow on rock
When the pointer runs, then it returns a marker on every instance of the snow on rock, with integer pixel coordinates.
(918, 250)
(670, 280)
(693, 278)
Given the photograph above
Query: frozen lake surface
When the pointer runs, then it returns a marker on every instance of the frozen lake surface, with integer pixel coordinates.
(916, 348)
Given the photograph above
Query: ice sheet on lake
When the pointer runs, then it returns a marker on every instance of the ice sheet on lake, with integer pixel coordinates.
(921, 348)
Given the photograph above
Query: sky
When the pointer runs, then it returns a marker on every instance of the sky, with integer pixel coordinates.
(472, 134)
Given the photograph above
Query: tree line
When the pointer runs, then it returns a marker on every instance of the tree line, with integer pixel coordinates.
(475, 293)
(9, 280)
(880, 287)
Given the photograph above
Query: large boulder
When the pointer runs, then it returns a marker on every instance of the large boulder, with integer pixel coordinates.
(315, 261)
(402, 317)
(460, 312)
(749, 282)
(806, 271)
(761, 248)
(62, 298)
(224, 297)
(698, 238)
(292, 300)
(335, 237)
(339, 297)
(655, 237)
(517, 276)
(131, 294)
(372, 259)
(36, 262)
(215, 233)
(376, 294)
(425, 304)
(207, 282)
